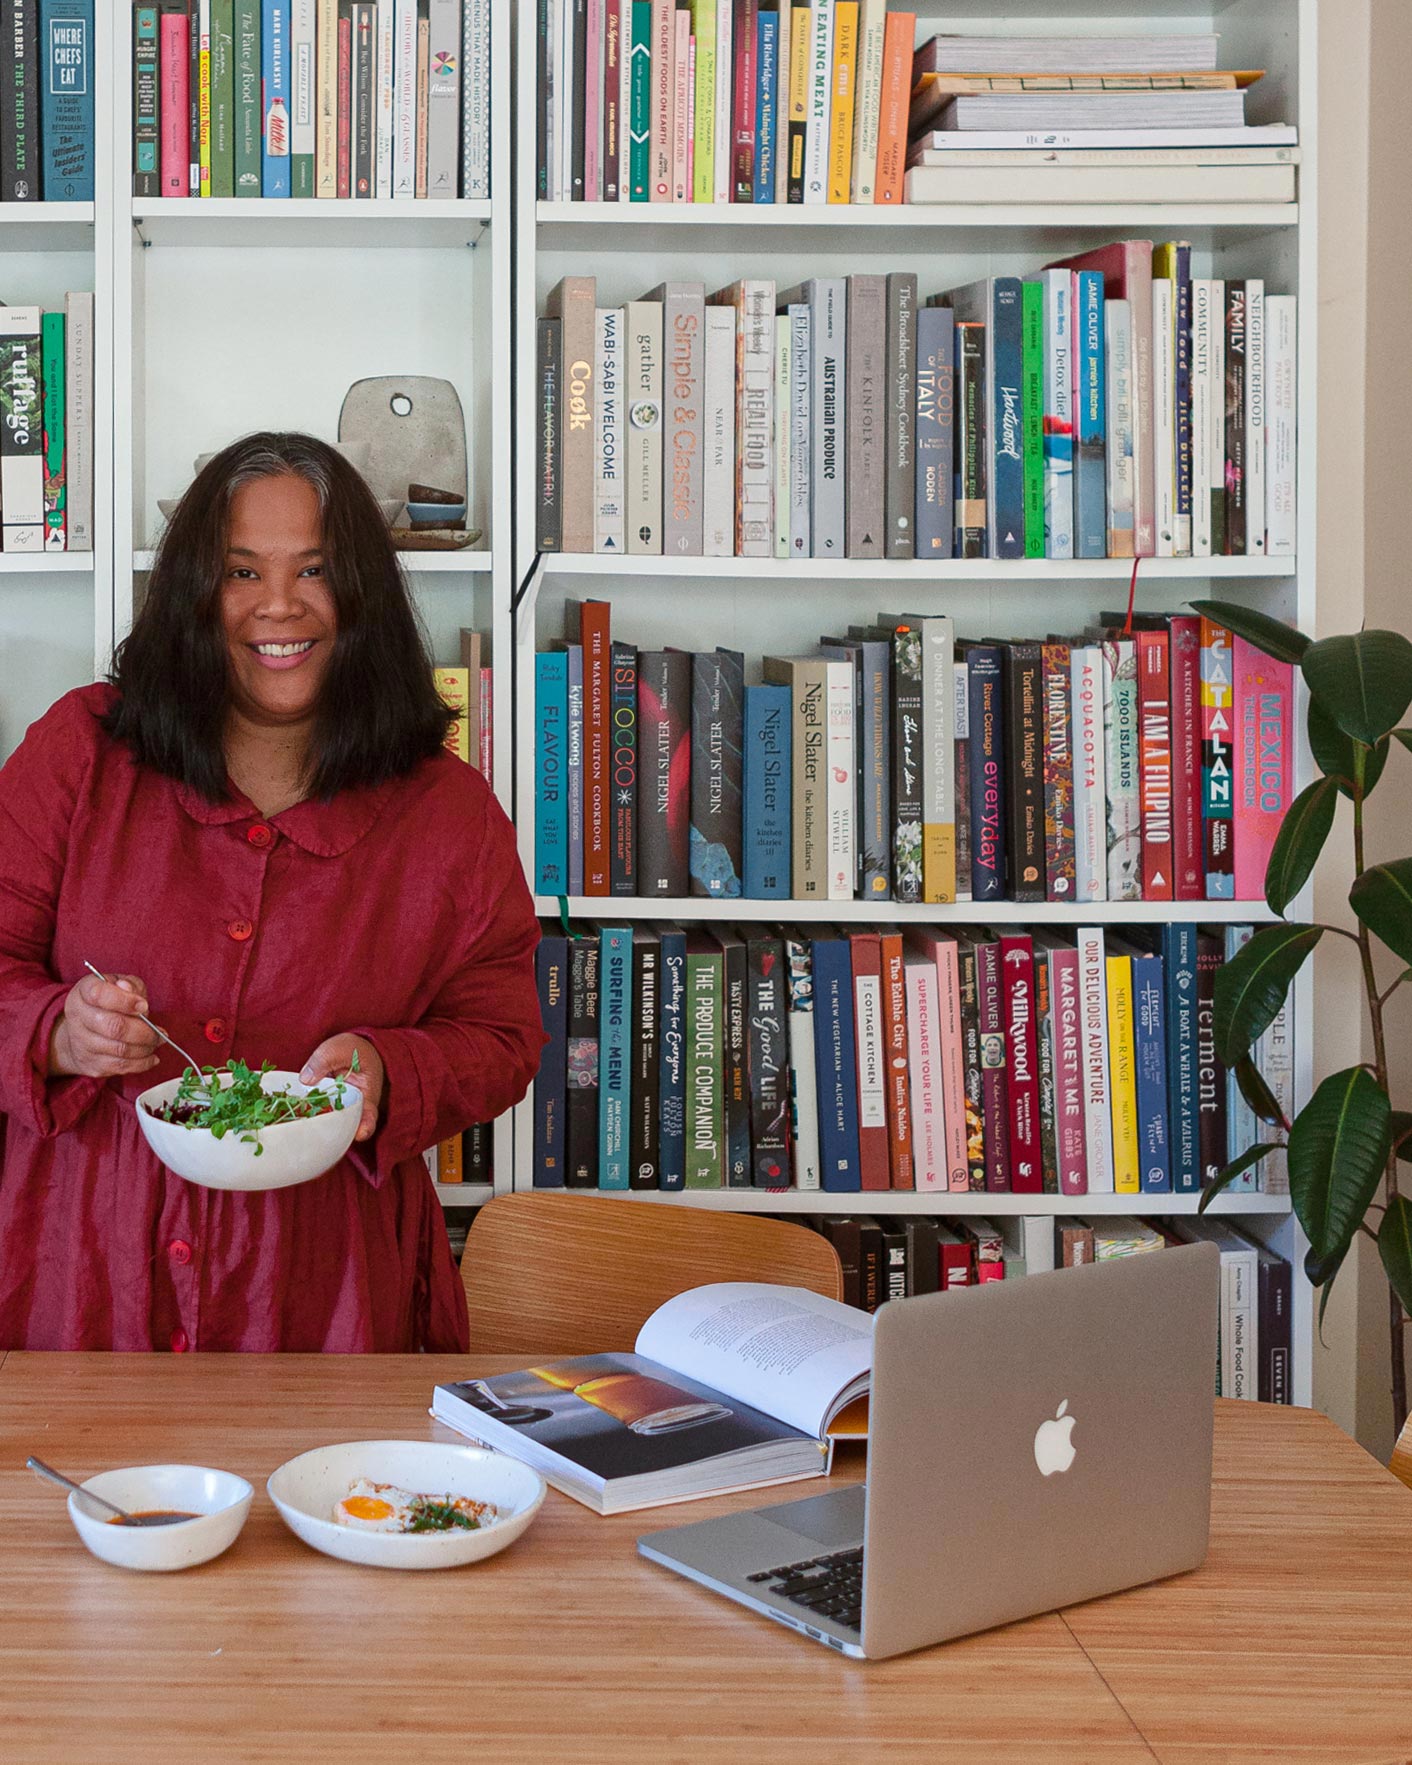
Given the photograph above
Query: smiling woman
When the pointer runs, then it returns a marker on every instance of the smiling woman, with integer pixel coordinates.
(256, 831)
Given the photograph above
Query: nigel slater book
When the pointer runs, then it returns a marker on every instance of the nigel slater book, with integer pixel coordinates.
(731, 1386)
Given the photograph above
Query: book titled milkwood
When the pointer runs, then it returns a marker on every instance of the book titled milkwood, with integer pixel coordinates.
(622, 763)
(551, 964)
(663, 772)
(1022, 1064)
(768, 1077)
(717, 732)
(644, 1112)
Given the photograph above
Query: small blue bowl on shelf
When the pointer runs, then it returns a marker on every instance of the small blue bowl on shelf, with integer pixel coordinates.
(436, 514)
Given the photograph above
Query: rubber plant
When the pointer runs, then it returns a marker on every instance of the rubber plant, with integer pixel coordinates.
(1345, 1145)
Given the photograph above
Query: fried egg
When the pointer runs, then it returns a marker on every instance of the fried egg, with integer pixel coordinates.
(384, 1507)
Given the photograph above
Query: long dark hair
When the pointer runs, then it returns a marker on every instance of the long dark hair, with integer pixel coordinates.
(378, 713)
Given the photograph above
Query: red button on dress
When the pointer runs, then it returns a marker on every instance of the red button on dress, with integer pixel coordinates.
(240, 930)
(216, 1029)
(180, 1342)
(179, 1251)
(259, 835)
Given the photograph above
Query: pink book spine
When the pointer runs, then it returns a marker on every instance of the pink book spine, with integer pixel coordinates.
(1264, 695)
(487, 724)
(662, 105)
(951, 1055)
(175, 106)
(1070, 1145)
(1022, 1068)
(927, 1154)
(681, 108)
(691, 124)
(593, 102)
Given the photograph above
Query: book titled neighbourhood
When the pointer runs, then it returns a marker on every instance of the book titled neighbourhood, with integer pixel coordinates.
(731, 1386)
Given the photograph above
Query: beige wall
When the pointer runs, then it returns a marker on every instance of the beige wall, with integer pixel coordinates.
(1365, 384)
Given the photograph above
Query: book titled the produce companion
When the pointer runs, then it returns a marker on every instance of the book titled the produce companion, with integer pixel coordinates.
(732, 1386)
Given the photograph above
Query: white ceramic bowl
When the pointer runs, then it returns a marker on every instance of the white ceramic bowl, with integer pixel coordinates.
(219, 1499)
(306, 1489)
(293, 1152)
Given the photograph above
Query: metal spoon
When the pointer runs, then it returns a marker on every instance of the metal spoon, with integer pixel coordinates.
(39, 1467)
(195, 1065)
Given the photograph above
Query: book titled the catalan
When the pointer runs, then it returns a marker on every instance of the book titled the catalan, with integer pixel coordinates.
(1217, 760)
(1264, 712)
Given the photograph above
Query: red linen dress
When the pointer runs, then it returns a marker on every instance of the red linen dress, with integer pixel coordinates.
(399, 913)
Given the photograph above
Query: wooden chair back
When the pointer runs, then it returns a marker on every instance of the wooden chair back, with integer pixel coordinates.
(580, 1274)
(1401, 1462)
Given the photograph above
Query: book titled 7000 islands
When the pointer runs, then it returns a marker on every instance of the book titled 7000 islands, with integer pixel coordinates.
(731, 1386)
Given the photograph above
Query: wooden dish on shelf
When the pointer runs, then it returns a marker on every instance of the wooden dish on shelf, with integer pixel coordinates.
(434, 539)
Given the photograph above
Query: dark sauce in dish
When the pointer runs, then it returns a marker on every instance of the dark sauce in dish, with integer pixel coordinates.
(153, 1517)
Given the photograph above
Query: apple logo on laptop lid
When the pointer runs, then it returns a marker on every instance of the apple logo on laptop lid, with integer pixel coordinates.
(1053, 1449)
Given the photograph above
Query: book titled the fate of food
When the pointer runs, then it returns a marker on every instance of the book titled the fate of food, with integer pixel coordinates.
(731, 1386)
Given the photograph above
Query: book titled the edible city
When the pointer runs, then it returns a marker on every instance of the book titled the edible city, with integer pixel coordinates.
(730, 1386)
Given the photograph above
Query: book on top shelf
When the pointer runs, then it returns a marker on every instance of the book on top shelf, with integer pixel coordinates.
(730, 1387)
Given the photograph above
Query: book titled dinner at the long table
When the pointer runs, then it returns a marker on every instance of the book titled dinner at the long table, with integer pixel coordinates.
(731, 1386)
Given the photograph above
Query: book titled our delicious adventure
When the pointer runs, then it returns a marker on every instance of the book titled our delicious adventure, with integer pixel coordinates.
(731, 1386)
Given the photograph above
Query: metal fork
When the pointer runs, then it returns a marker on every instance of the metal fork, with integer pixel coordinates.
(156, 1029)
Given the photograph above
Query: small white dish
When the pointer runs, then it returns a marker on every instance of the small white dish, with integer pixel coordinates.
(293, 1152)
(219, 1499)
(306, 1489)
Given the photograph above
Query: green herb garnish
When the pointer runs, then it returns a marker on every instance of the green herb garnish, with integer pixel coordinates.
(242, 1107)
(439, 1516)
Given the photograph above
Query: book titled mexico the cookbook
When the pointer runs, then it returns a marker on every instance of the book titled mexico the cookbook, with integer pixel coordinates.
(732, 1386)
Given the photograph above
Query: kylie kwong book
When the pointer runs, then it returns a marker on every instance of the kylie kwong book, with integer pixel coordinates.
(732, 1386)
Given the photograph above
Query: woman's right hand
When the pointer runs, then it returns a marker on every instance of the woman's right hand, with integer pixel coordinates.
(101, 1035)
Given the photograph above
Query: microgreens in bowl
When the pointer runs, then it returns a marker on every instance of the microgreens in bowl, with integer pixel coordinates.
(242, 1106)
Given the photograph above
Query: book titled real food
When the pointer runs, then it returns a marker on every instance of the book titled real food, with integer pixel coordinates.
(731, 1386)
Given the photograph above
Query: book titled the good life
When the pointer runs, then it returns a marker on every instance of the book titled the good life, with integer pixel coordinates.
(731, 1386)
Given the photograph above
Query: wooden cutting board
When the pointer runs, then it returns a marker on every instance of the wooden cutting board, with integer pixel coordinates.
(416, 429)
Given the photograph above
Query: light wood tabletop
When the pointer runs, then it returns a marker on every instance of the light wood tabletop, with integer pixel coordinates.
(1291, 1644)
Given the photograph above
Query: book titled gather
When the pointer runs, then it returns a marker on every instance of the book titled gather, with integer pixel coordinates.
(731, 1386)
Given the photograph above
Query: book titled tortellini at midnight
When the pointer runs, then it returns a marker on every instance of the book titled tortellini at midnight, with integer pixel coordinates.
(731, 1386)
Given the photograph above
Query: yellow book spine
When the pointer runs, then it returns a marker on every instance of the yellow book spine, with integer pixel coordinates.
(703, 25)
(449, 1168)
(801, 38)
(1122, 1076)
(845, 67)
(455, 688)
(203, 112)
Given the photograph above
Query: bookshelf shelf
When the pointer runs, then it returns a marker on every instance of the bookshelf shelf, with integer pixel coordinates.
(466, 563)
(464, 1194)
(46, 563)
(995, 571)
(943, 1201)
(46, 226)
(255, 221)
(608, 908)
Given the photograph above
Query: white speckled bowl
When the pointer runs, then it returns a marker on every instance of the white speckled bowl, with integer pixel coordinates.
(293, 1152)
(306, 1489)
(219, 1499)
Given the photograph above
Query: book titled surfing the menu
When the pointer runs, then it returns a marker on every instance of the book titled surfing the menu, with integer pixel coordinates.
(731, 1386)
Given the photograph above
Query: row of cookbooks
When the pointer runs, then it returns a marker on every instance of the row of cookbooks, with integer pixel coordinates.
(1114, 405)
(47, 83)
(1143, 759)
(866, 1058)
(312, 98)
(900, 1255)
(833, 101)
(47, 432)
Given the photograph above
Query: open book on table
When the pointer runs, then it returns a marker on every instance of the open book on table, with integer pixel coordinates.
(732, 1386)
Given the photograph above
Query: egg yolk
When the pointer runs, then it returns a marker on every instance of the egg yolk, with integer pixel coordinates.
(367, 1507)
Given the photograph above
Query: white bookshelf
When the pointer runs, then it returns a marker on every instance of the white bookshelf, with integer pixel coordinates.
(695, 602)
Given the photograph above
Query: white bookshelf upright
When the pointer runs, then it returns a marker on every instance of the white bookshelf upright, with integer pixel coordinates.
(767, 606)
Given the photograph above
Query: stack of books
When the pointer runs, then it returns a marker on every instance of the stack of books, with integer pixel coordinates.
(898, 1256)
(723, 100)
(46, 438)
(866, 1058)
(1114, 405)
(312, 98)
(894, 763)
(1089, 119)
(47, 83)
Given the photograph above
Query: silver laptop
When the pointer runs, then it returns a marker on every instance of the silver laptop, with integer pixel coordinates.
(1031, 1444)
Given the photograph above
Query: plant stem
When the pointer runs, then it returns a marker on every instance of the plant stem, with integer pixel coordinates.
(1397, 1344)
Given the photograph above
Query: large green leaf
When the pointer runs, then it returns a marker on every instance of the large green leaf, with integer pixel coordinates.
(1338, 1149)
(1333, 751)
(1363, 679)
(1251, 987)
(1395, 1248)
(1272, 636)
(1326, 1282)
(1257, 1093)
(1228, 1173)
(1299, 842)
(1382, 899)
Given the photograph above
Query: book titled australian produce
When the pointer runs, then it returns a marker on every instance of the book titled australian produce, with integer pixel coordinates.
(730, 1386)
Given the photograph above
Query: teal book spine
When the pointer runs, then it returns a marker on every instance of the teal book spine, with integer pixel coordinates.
(640, 97)
(66, 77)
(551, 724)
(51, 374)
(247, 98)
(614, 1038)
(146, 138)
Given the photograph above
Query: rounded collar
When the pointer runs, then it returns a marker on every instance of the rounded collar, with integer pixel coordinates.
(325, 828)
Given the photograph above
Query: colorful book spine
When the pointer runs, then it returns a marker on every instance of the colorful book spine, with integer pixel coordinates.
(1058, 414)
(1057, 763)
(1090, 529)
(987, 757)
(705, 1101)
(803, 1073)
(766, 802)
(672, 1066)
(933, 425)
(1069, 1111)
(735, 1061)
(920, 981)
(275, 99)
(874, 1160)
(717, 733)
(1093, 1018)
(994, 1052)
(1150, 1074)
(1032, 323)
(614, 1089)
(1155, 765)
(1118, 349)
(175, 75)
(768, 1068)
(1089, 773)
(663, 773)
(644, 1113)
(1183, 1123)
(895, 1063)
(835, 1061)
(1264, 712)
(551, 707)
(146, 129)
(52, 364)
(622, 769)
(1005, 364)
(22, 432)
(1022, 1064)
(1122, 1075)
(1217, 760)
(1121, 768)
(901, 407)
(551, 968)
(248, 110)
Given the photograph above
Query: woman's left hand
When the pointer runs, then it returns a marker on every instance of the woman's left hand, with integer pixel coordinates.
(334, 1059)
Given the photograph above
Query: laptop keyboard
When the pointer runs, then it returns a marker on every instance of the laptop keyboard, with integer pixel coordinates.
(830, 1586)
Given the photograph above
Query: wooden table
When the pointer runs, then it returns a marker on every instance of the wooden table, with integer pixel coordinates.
(1291, 1644)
